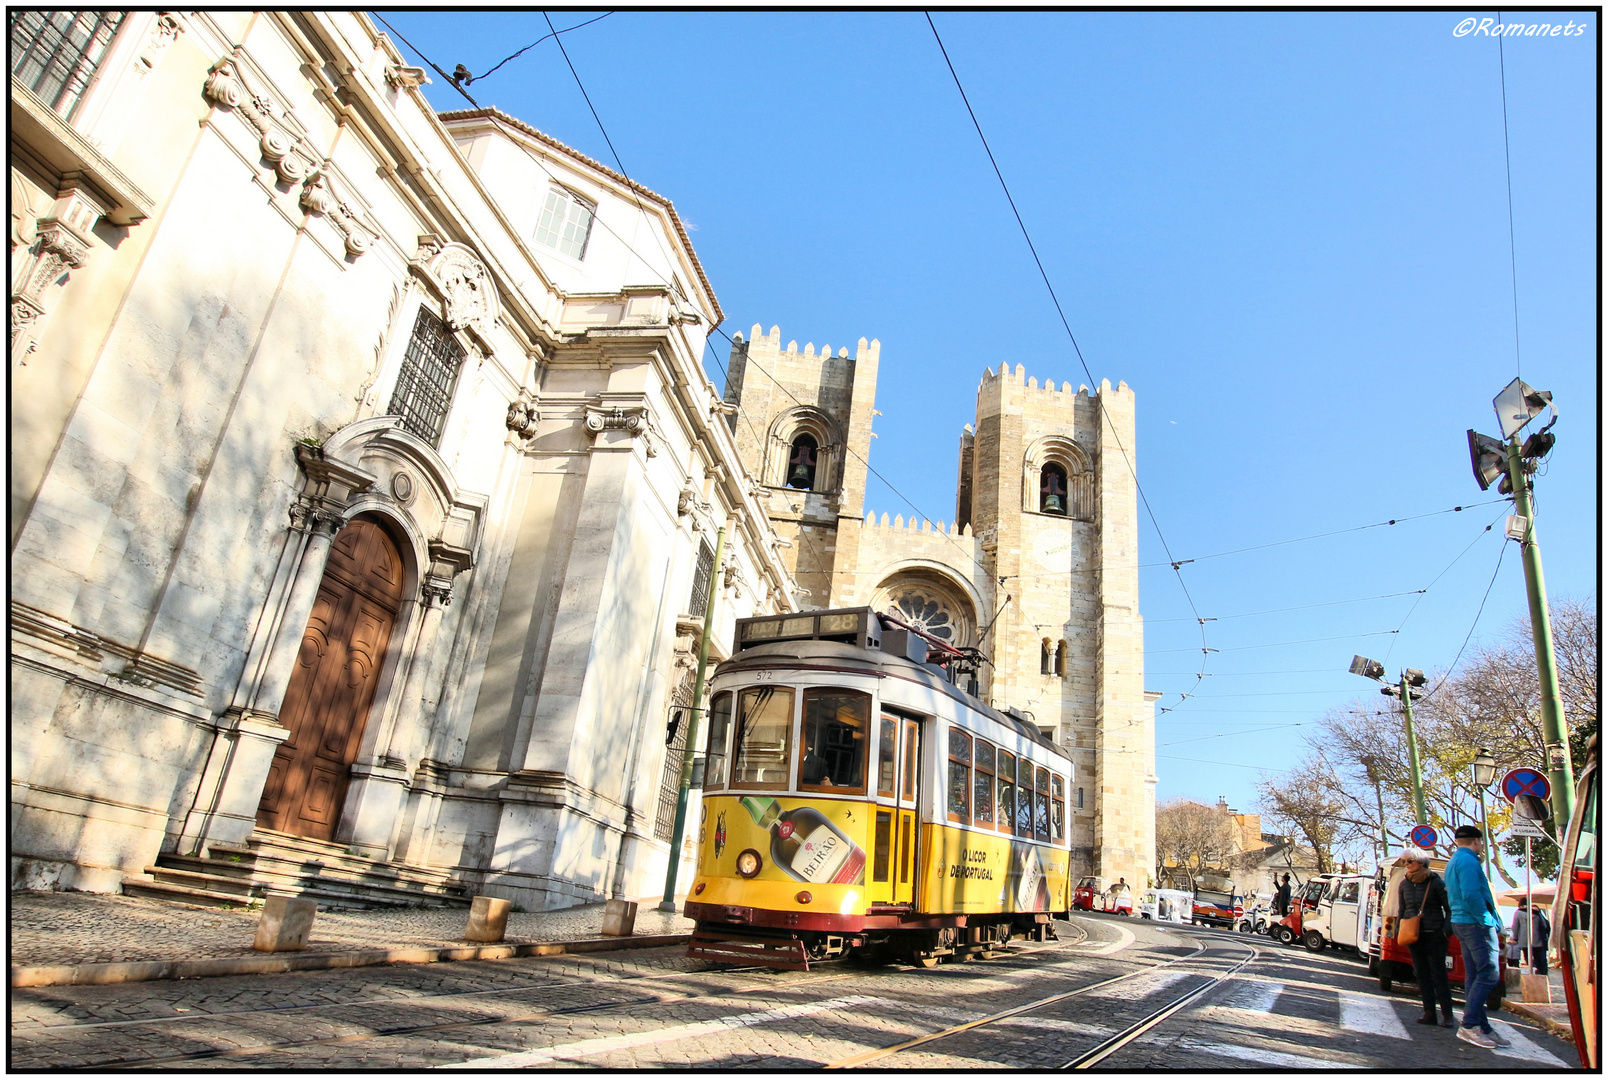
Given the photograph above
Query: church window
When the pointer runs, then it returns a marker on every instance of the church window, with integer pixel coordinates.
(1052, 489)
(1044, 657)
(55, 53)
(1080, 798)
(566, 223)
(801, 463)
(429, 373)
(1060, 660)
(701, 579)
(926, 614)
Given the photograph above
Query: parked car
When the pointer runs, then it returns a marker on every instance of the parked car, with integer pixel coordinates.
(1217, 908)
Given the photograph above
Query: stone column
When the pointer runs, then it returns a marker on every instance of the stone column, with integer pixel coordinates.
(321, 524)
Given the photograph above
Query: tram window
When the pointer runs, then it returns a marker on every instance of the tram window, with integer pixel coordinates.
(886, 747)
(1041, 804)
(912, 743)
(764, 738)
(1058, 807)
(884, 842)
(836, 723)
(959, 776)
(1007, 790)
(904, 848)
(983, 784)
(719, 734)
(1024, 799)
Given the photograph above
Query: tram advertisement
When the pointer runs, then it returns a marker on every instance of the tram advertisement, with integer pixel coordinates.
(814, 841)
(977, 872)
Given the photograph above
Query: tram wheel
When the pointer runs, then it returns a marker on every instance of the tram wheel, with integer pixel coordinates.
(921, 959)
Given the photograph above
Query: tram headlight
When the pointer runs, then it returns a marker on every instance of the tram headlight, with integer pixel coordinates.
(749, 862)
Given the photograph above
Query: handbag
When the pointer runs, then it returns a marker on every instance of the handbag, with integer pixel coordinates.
(1407, 929)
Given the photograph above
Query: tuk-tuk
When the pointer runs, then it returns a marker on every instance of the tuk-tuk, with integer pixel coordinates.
(1083, 896)
(1339, 914)
(1118, 899)
(1292, 927)
(1575, 913)
(1390, 962)
(1166, 905)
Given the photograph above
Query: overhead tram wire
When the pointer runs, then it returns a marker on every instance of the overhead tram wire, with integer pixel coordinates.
(1336, 532)
(532, 45)
(1304, 607)
(1067, 326)
(1458, 558)
(1507, 159)
(1452, 667)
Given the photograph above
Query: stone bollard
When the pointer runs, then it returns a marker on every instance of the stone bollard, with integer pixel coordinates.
(1535, 989)
(619, 918)
(1510, 979)
(285, 924)
(488, 919)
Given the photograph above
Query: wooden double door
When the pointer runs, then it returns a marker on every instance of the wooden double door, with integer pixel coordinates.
(332, 688)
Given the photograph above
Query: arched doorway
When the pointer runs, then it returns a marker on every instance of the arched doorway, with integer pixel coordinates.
(333, 685)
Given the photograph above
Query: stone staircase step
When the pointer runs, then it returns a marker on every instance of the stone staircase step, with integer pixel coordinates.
(221, 884)
(178, 894)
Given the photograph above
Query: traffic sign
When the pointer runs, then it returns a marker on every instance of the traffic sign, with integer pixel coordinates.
(1521, 827)
(1424, 836)
(1526, 781)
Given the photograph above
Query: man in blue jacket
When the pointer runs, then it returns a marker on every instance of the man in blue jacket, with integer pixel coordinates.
(1477, 926)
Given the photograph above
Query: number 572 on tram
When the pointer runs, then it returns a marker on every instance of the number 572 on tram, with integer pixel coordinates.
(857, 800)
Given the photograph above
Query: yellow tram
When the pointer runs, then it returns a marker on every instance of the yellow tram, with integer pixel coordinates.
(857, 800)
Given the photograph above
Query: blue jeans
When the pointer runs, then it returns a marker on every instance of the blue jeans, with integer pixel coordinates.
(1480, 971)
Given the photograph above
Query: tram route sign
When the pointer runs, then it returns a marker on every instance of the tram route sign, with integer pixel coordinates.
(1526, 781)
(1424, 836)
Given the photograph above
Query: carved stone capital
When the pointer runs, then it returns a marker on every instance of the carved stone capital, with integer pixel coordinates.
(401, 76)
(436, 593)
(311, 514)
(630, 416)
(522, 418)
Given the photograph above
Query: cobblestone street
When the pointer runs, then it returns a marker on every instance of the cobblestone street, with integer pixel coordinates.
(1040, 1006)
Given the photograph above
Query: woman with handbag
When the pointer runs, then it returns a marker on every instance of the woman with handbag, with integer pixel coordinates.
(1424, 934)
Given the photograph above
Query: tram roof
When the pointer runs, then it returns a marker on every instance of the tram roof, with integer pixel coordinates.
(767, 656)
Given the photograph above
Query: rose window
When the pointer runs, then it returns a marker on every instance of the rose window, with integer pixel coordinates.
(926, 614)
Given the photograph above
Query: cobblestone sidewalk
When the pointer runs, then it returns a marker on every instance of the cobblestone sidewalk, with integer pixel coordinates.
(91, 928)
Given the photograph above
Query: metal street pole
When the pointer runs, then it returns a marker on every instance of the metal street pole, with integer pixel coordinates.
(1485, 827)
(1560, 770)
(669, 901)
(1412, 752)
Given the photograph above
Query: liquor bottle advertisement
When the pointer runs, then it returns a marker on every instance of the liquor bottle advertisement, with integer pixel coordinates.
(979, 872)
(817, 841)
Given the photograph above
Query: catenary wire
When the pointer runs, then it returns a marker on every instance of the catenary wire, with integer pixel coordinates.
(532, 45)
(1501, 553)
(1067, 326)
(433, 65)
(1320, 536)
(1507, 159)
(1303, 607)
(1458, 558)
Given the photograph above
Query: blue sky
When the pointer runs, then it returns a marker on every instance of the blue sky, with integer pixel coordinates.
(1288, 232)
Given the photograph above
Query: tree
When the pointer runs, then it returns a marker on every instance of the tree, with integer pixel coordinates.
(1194, 837)
(1309, 802)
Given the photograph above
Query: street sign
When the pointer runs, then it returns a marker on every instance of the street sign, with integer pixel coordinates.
(1424, 836)
(1526, 781)
(1521, 827)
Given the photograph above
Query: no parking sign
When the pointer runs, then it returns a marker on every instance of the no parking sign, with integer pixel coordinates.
(1526, 781)
(1424, 836)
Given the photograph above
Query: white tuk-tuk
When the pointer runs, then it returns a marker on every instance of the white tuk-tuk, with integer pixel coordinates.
(1341, 913)
(1166, 905)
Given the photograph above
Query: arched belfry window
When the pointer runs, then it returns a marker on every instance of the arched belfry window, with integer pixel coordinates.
(801, 463)
(1060, 659)
(1044, 657)
(1052, 489)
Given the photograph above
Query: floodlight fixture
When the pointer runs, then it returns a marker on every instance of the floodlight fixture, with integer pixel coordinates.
(1538, 445)
(1484, 768)
(1517, 405)
(1488, 457)
(1415, 677)
(1518, 526)
(1368, 669)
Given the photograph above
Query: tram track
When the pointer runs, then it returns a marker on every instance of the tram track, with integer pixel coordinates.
(1100, 1051)
(212, 1053)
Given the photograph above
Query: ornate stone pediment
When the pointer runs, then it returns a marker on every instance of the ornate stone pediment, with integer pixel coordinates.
(468, 293)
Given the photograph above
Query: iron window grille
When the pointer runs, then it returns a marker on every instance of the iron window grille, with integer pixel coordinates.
(701, 580)
(55, 53)
(664, 818)
(565, 224)
(429, 373)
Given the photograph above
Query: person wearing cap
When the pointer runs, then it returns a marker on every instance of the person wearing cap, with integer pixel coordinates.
(1423, 893)
(1478, 928)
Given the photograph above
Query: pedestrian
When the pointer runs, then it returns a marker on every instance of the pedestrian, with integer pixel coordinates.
(1281, 898)
(1423, 893)
(1478, 928)
(1530, 933)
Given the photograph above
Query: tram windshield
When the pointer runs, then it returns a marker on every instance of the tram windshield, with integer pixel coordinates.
(719, 732)
(836, 723)
(764, 738)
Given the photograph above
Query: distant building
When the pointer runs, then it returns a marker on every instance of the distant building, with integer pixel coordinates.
(1039, 567)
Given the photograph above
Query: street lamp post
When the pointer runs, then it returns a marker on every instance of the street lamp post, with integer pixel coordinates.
(1512, 463)
(1411, 678)
(1483, 769)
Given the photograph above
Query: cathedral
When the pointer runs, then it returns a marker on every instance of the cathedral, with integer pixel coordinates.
(366, 484)
(1038, 569)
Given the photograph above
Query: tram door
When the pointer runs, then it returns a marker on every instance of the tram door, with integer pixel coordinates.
(893, 838)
